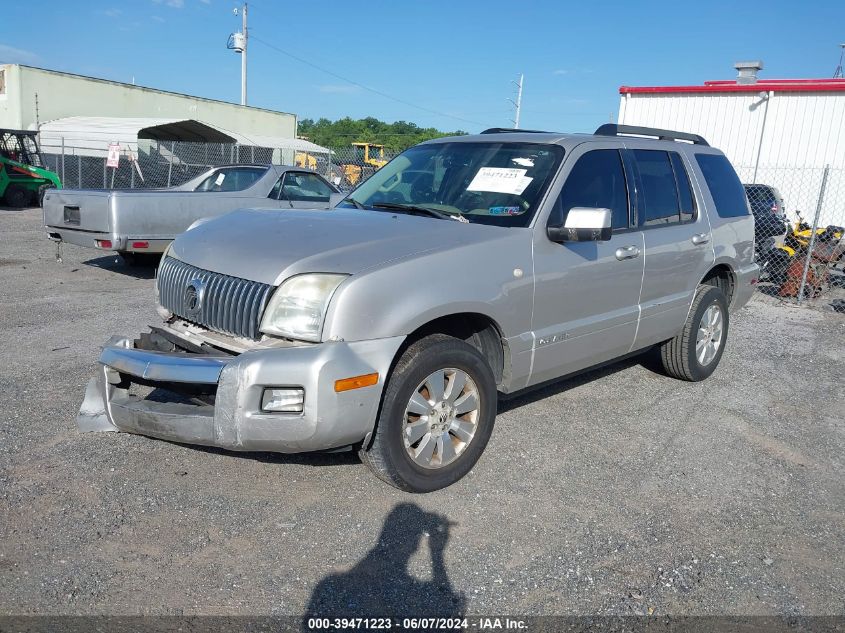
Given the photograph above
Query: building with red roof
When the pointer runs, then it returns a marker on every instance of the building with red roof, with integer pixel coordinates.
(784, 132)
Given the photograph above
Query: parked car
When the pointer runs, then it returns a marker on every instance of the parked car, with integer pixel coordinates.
(769, 211)
(465, 268)
(137, 222)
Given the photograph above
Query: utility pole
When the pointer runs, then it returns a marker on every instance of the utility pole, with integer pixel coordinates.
(243, 58)
(238, 43)
(518, 103)
(837, 74)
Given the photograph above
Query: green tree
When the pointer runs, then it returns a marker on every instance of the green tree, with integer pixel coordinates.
(395, 137)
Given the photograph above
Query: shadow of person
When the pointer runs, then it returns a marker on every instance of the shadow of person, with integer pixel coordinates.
(381, 585)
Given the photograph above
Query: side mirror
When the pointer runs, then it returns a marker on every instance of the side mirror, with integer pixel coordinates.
(335, 199)
(583, 224)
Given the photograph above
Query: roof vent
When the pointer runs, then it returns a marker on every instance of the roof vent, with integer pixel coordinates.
(747, 71)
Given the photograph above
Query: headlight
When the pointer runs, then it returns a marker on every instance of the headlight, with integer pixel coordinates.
(299, 305)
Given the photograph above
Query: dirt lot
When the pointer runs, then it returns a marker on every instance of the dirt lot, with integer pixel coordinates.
(618, 492)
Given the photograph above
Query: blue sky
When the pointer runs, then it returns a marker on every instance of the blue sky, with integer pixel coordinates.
(455, 59)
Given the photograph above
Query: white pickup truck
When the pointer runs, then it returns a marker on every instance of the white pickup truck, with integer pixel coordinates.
(139, 222)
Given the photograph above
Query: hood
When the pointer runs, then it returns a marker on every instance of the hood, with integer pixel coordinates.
(269, 246)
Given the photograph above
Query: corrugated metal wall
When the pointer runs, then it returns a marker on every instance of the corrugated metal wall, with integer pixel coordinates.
(730, 122)
(804, 132)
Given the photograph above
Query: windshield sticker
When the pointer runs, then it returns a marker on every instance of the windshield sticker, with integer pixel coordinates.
(220, 178)
(506, 211)
(524, 162)
(500, 180)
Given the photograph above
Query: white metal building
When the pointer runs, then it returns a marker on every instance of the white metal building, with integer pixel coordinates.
(91, 136)
(783, 132)
(31, 96)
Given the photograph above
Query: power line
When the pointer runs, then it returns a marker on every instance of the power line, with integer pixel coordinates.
(360, 85)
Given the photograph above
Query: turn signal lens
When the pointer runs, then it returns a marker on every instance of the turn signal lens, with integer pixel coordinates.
(356, 382)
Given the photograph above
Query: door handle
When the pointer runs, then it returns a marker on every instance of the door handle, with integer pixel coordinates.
(700, 238)
(627, 252)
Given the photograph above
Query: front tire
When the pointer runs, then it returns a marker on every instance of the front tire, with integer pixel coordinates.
(437, 416)
(695, 353)
(17, 196)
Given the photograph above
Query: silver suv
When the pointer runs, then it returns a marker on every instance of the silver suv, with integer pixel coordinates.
(466, 268)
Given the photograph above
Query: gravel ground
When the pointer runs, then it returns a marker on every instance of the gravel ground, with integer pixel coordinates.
(618, 492)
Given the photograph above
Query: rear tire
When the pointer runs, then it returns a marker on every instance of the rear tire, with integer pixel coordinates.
(695, 353)
(16, 196)
(436, 418)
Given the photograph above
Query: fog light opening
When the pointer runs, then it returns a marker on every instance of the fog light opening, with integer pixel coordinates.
(283, 400)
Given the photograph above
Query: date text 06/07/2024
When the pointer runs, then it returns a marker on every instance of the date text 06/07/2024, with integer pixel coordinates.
(417, 624)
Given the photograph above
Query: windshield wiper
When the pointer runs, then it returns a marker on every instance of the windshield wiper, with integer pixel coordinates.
(413, 209)
(354, 202)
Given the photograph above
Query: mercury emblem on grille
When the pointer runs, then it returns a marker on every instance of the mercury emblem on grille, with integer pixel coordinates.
(192, 298)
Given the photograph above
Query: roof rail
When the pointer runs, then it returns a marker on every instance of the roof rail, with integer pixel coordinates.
(499, 130)
(611, 129)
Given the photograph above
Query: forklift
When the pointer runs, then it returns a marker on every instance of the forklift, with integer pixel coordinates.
(369, 159)
(23, 178)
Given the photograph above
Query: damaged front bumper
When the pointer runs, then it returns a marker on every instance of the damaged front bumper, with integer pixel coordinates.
(215, 399)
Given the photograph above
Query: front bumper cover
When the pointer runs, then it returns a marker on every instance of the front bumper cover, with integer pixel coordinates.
(229, 414)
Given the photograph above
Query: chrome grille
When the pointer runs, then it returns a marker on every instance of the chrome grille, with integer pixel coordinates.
(228, 304)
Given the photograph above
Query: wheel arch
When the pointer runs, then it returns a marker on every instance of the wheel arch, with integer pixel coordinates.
(721, 276)
(475, 328)
(478, 329)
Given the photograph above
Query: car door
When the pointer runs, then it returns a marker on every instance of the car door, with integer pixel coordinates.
(586, 300)
(304, 190)
(678, 247)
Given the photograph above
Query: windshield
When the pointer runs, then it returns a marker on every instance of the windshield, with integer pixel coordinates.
(486, 183)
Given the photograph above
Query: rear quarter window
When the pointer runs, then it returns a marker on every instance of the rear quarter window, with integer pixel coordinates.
(725, 187)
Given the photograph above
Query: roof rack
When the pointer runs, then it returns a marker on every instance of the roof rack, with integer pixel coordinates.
(499, 130)
(611, 129)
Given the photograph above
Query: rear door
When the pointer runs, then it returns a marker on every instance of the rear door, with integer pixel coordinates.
(678, 241)
(586, 300)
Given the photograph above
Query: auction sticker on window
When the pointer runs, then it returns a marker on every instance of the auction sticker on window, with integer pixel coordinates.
(500, 180)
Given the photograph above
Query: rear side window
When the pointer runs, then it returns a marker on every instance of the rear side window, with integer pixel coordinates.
(231, 179)
(685, 198)
(597, 181)
(725, 187)
(659, 194)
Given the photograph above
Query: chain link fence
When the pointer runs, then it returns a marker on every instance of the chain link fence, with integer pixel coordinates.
(799, 212)
(171, 163)
(799, 215)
